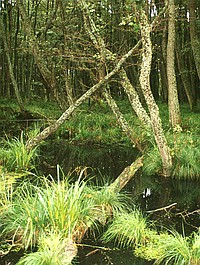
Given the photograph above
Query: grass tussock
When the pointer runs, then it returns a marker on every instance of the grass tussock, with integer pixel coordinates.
(53, 249)
(165, 247)
(15, 157)
(127, 229)
(57, 206)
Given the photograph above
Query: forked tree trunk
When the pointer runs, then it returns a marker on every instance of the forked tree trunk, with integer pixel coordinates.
(173, 103)
(105, 54)
(146, 89)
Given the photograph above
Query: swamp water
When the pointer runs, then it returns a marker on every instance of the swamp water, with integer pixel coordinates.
(150, 194)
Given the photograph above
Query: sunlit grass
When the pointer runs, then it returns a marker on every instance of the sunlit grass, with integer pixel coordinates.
(127, 229)
(15, 156)
(55, 206)
(53, 249)
(166, 247)
(176, 250)
(60, 206)
(186, 163)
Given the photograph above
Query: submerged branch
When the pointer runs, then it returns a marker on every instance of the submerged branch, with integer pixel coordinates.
(163, 208)
(126, 175)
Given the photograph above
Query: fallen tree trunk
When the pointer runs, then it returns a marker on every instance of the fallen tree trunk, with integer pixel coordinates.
(119, 183)
(126, 175)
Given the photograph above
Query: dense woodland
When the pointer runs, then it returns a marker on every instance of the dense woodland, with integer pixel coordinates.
(69, 51)
(48, 52)
(103, 52)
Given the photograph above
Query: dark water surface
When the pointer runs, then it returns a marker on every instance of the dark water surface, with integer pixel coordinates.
(149, 193)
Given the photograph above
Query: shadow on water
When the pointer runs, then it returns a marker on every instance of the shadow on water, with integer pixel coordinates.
(149, 193)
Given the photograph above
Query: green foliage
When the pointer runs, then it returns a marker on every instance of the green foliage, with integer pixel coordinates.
(53, 249)
(69, 209)
(127, 229)
(107, 202)
(55, 207)
(93, 128)
(179, 250)
(165, 247)
(15, 156)
(185, 150)
(186, 163)
(152, 162)
(8, 182)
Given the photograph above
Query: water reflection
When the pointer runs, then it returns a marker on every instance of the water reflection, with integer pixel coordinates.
(149, 193)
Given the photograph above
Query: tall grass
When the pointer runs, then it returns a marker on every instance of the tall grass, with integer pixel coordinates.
(152, 162)
(56, 208)
(8, 183)
(186, 163)
(127, 229)
(15, 156)
(165, 247)
(53, 249)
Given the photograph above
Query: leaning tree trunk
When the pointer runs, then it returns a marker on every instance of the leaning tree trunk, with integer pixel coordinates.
(122, 121)
(54, 126)
(173, 103)
(145, 86)
(99, 43)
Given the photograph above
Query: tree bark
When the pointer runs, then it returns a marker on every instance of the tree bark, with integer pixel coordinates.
(122, 121)
(185, 78)
(152, 106)
(47, 75)
(53, 127)
(98, 42)
(173, 103)
(126, 175)
(195, 43)
(10, 67)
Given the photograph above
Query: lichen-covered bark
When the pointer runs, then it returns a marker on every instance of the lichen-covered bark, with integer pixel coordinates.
(54, 126)
(106, 54)
(173, 102)
(126, 175)
(145, 86)
(134, 99)
(122, 121)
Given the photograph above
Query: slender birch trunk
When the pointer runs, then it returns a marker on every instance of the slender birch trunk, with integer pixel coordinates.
(47, 75)
(122, 121)
(173, 102)
(145, 86)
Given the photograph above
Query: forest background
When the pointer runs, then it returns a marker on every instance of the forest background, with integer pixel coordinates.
(139, 58)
